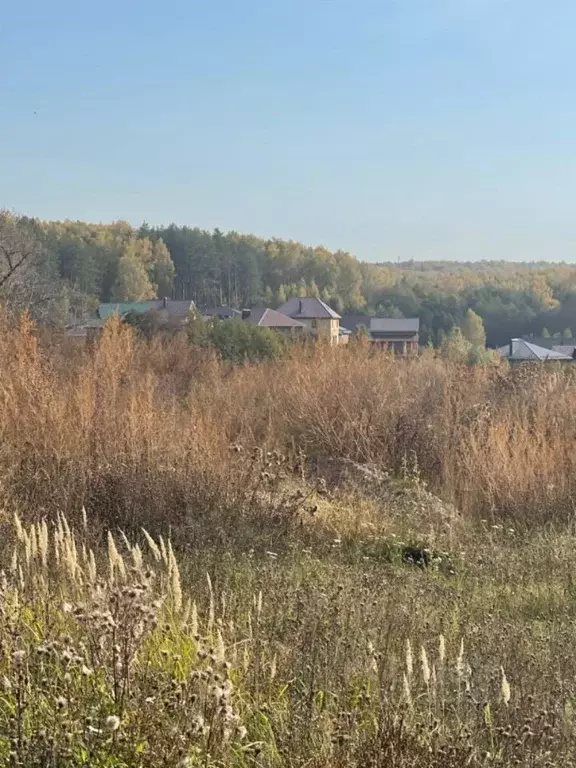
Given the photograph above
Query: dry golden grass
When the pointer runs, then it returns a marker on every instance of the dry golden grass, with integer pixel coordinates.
(139, 431)
(266, 617)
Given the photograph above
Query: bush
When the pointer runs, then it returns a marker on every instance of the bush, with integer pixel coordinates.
(237, 341)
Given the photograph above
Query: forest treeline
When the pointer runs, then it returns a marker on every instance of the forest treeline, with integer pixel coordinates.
(77, 264)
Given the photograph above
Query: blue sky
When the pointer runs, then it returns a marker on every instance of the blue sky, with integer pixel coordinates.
(394, 129)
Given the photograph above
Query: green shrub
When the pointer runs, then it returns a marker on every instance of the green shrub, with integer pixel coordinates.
(237, 341)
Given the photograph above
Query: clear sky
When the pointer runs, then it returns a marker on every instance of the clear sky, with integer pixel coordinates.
(391, 128)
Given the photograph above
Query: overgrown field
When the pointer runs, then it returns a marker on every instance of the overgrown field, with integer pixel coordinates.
(205, 565)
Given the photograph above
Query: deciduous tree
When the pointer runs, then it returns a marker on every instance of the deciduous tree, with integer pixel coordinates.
(132, 283)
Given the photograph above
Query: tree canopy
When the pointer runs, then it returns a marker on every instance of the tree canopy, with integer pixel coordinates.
(104, 262)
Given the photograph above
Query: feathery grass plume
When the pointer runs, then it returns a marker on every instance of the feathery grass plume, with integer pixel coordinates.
(425, 665)
(460, 661)
(57, 539)
(33, 542)
(175, 584)
(273, 666)
(124, 538)
(505, 687)
(156, 553)
(409, 661)
(259, 606)
(43, 542)
(14, 561)
(18, 527)
(92, 570)
(61, 533)
(442, 649)
(211, 605)
(137, 557)
(71, 556)
(65, 526)
(164, 551)
(115, 561)
(468, 677)
(219, 647)
(84, 519)
(372, 656)
(194, 620)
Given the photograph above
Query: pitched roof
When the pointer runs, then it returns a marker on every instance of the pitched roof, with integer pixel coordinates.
(172, 308)
(270, 318)
(525, 350)
(565, 349)
(308, 308)
(395, 324)
(353, 321)
(123, 307)
(177, 307)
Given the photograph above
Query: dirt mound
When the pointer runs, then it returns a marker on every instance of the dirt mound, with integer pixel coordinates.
(346, 474)
(399, 497)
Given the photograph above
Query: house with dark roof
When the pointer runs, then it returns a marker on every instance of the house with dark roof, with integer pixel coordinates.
(314, 313)
(400, 335)
(276, 321)
(520, 350)
(352, 322)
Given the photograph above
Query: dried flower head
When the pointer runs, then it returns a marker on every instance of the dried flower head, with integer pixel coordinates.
(112, 723)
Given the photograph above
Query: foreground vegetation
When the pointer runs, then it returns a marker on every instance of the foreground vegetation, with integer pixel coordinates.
(203, 563)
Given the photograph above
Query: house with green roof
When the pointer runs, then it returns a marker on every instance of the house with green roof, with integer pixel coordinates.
(167, 308)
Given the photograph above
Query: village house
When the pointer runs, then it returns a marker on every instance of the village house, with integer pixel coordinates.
(520, 350)
(275, 321)
(556, 343)
(299, 316)
(312, 312)
(399, 335)
(168, 309)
